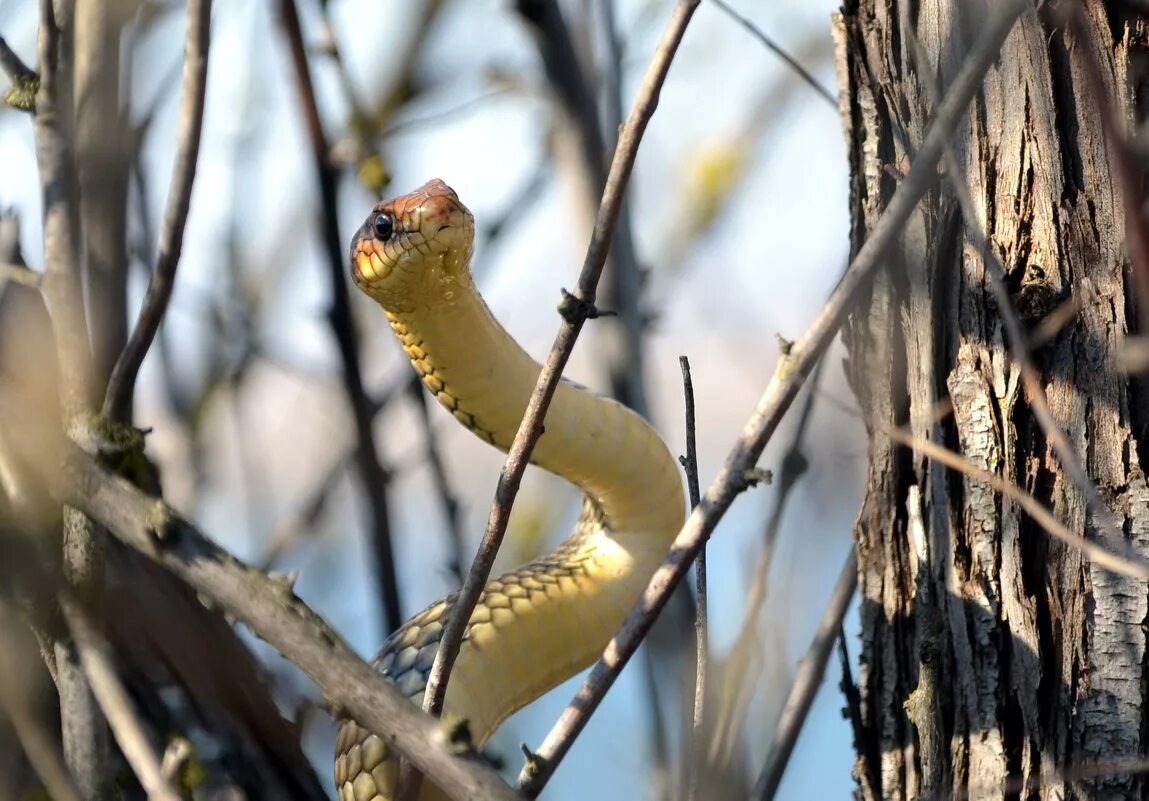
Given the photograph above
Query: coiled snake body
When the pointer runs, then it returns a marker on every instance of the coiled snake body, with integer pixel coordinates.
(540, 624)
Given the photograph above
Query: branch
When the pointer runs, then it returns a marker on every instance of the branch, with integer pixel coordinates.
(447, 498)
(121, 385)
(371, 473)
(19, 274)
(272, 611)
(82, 727)
(96, 658)
(18, 703)
(25, 82)
(736, 703)
(788, 378)
(1124, 560)
(806, 683)
(779, 51)
(531, 428)
(701, 633)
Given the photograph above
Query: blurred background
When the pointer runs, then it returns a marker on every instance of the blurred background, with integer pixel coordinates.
(737, 211)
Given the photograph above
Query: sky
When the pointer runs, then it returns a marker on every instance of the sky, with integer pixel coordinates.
(485, 123)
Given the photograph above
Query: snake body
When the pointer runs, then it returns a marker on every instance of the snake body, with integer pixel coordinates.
(540, 624)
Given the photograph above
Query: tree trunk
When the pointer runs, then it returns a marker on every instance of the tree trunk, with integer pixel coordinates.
(992, 656)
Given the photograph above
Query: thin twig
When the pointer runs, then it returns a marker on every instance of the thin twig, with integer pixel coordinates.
(443, 489)
(746, 643)
(779, 51)
(807, 681)
(121, 385)
(780, 393)
(271, 610)
(531, 427)
(1123, 559)
(18, 704)
(13, 66)
(370, 469)
(701, 630)
(95, 655)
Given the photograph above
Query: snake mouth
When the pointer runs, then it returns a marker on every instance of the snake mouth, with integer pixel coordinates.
(412, 232)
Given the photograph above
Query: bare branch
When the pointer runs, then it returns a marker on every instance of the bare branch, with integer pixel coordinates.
(531, 427)
(701, 631)
(13, 66)
(25, 82)
(779, 51)
(18, 703)
(443, 489)
(96, 658)
(19, 274)
(806, 683)
(82, 726)
(272, 611)
(792, 371)
(1123, 559)
(747, 645)
(121, 385)
(370, 469)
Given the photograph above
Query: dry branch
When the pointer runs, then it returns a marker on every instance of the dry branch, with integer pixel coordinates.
(271, 610)
(96, 657)
(121, 385)
(806, 683)
(371, 473)
(83, 730)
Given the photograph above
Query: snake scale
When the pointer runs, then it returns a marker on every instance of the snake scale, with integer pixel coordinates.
(540, 624)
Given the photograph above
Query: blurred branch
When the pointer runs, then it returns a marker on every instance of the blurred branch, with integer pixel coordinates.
(747, 643)
(576, 309)
(83, 729)
(25, 82)
(272, 611)
(807, 680)
(18, 664)
(701, 632)
(103, 162)
(789, 376)
(371, 473)
(19, 274)
(446, 494)
(779, 51)
(96, 657)
(13, 66)
(121, 386)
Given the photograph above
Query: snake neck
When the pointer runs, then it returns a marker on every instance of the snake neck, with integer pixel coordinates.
(485, 379)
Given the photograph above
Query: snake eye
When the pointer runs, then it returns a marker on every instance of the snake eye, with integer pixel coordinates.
(384, 226)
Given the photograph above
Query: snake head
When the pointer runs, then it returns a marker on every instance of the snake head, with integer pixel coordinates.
(414, 251)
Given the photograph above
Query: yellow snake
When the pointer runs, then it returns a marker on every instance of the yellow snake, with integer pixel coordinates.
(538, 625)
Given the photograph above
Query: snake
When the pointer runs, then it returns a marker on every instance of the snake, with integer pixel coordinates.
(541, 623)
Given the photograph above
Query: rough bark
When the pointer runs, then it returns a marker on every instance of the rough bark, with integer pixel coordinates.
(994, 661)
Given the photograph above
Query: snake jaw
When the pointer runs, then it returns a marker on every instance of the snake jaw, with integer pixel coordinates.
(425, 255)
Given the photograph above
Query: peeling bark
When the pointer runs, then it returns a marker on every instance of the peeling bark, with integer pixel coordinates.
(1020, 660)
